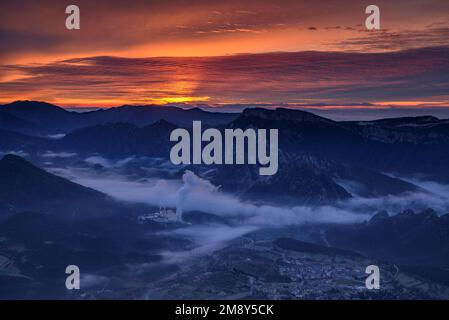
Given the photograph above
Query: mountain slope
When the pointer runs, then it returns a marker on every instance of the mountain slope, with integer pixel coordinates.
(145, 115)
(303, 179)
(14, 141)
(26, 187)
(406, 146)
(408, 237)
(44, 118)
(370, 146)
(121, 139)
(11, 122)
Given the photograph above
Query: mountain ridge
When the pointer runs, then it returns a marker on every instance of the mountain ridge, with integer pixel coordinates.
(23, 186)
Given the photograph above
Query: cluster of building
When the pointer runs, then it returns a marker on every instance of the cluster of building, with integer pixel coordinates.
(260, 270)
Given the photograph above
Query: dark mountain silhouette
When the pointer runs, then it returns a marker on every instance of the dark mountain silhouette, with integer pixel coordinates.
(24, 186)
(320, 162)
(307, 172)
(301, 132)
(380, 148)
(283, 114)
(303, 179)
(294, 183)
(406, 146)
(43, 118)
(145, 115)
(11, 122)
(425, 130)
(407, 238)
(121, 139)
(14, 141)
(320, 159)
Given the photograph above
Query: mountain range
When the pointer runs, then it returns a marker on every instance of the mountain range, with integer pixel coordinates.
(24, 187)
(41, 118)
(412, 238)
(321, 160)
(47, 220)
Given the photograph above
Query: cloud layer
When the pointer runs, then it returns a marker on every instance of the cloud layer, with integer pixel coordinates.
(196, 194)
(303, 77)
(203, 27)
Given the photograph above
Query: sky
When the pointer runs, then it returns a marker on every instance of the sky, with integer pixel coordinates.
(234, 53)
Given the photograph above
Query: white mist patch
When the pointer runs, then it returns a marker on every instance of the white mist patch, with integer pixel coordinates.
(207, 238)
(193, 193)
(196, 194)
(52, 154)
(152, 192)
(353, 187)
(98, 160)
(56, 136)
(432, 195)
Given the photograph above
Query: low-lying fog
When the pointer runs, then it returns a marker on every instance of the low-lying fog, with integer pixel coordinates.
(193, 193)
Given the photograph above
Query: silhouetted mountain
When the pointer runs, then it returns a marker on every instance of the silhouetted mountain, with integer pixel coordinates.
(41, 245)
(407, 238)
(14, 141)
(145, 115)
(405, 121)
(365, 182)
(296, 182)
(26, 187)
(425, 130)
(283, 114)
(406, 146)
(303, 179)
(44, 118)
(11, 122)
(121, 139)
(302, 132)
(410, 150)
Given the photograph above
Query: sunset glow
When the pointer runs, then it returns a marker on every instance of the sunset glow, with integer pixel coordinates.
(233, 52)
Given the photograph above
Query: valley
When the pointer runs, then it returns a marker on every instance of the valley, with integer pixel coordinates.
(106, 197)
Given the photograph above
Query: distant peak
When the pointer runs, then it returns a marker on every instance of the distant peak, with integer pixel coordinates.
(284, 114)
(427, 119)
(161, 124)
(32, 104)
(145, 106)
(196, 109)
